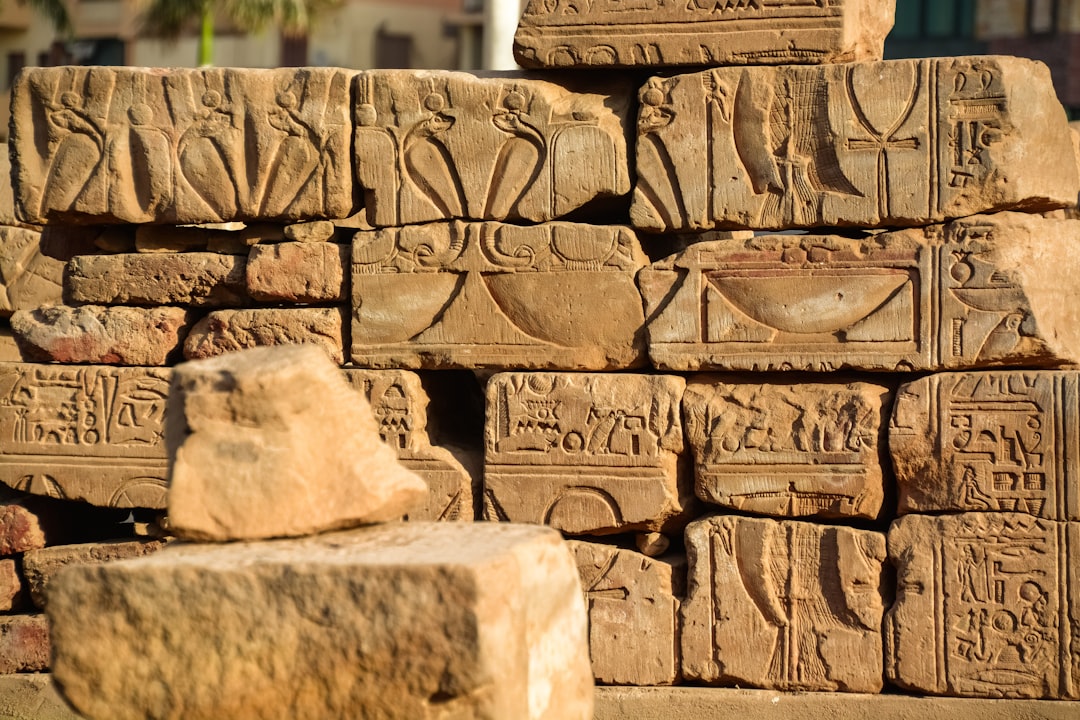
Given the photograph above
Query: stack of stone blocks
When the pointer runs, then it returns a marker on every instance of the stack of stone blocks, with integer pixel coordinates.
(840, 458)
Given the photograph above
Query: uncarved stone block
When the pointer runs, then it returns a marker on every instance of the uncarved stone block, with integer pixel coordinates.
(12, 587)
(24, 644)
(298, 272)
(192, 279)
(224, 331)
(20, 529)
(40, 566)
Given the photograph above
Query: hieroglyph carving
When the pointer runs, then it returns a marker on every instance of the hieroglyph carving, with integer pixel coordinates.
(110, 145)
(991, 441)
(787, 448)
(584, 453)
(89, 433)
(898, 143)
(493, 295)
(783, 605)
(435, 145)
(985, 291)
(29, 278)
(986, 606)
(658, 33)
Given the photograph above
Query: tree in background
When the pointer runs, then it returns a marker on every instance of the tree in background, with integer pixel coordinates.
(54, 10)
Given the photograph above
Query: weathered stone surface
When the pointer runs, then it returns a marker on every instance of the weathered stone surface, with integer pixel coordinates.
(899, 143)
(492, 295)
(28, 277)
(193, 279)
(104, 335)
(9, 350)
(986, 291)
(434, 145)
(701, 32)
(988, 605)
(585, 453)
(32, 696)
(84, 433)
(783, 605)
(489, 617)
(989, 441)
(40, 566)
(399, 404)
(7, 196)
(788, 448)
(299, 272)
(273, 442)
(136, 145)
(633, 613)
(168, 239)
(310, 232)
(24, 644)
(20, 529)
(12, 589)
(224, 331)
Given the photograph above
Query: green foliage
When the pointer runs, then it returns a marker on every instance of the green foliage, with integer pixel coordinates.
(54, 10)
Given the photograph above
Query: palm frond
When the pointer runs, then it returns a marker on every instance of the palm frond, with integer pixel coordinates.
(171, 17)
(55, 11)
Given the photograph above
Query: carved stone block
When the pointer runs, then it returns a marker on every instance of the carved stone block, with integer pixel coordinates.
(24, 644)
(790, 449)
(399, 403)
(898, 143)
(225, 331)
(7, 196)
(298, 272)
(478, 295)
(193, 279)
(783, 605)
(90, 433)
(40, 566)
(986, 291)
(135, 145)
(633, 613)
(585, 453)
(435, 145)
(988, 605)
(28, 277)
(398, 621)
(610, 33)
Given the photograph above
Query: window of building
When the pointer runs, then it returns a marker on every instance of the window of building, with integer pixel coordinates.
(392, 50)
(1042, 17)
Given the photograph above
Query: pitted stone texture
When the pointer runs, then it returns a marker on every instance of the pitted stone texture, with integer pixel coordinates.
(399, 621)
(224, 331)
(24, 644)
(587, 454)
(986, 291)
(168, 239)
(89, 433)
(298, 272)
(32, 696)
(435, 145)
(28, 277)
(898, 143)
(40, 566)
(783, 605)
(491, 295)
(987, 605)
(20, 529)
(399, 403)
(101, 335)
(310, 232)
(788, 448)
(12, 588)
(193, 279)
(272, 442)
(565, 33)
(633, 613)
(136, 145)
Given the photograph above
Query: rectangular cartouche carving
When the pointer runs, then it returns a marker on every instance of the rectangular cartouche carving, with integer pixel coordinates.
(788, 449)
(986, 606)
(584, 453)
(986, 291)
(136, 145)
(655, 33)
(90, 433)
(436, 145)
(474, 295)
(898, 143)
(996, 441)
(783, 605)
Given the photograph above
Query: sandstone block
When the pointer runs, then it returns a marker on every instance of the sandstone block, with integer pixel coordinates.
(12, 588)
(399, 404)
(192, 279)
(788, 448)
(20, 529)
(28, 277)
(310, 232)
(492, 295)
(24, 644)
(185, 238)
(7, 196)
(713, 32)
(32, 696)
(41, 565)
(138, 145)
(585, 453)
(986, 291)
(9, 350)
(224, 331)
(435, 145)
(987, 605)
(101, 335)
(489, 617)
(783, 605)
(633, 613)
(897, 143)
(273, 442)
(298, 272)
(89, 433)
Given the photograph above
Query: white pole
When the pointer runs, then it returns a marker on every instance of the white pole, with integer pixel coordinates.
(500, 23)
